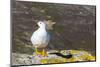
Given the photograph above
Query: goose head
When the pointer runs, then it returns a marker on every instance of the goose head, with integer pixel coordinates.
(41, 24)
(46, 24)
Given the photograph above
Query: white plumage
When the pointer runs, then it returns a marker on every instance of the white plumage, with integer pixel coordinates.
(40, 38)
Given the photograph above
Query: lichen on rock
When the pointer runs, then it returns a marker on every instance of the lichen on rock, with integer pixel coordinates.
(53, 56)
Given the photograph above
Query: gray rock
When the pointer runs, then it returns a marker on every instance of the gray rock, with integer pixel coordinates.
(21, 59)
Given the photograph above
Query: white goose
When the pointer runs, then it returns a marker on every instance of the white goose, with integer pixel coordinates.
(40, 39)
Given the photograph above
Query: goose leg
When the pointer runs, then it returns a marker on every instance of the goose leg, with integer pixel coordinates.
(44, 52)
(41, 52)
(37, 52)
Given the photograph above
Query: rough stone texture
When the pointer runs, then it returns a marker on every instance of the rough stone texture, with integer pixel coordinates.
(74, 28)
(77, 55)
(21, 59)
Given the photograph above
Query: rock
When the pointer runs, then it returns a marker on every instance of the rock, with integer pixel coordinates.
(75, 56)
(52, 57)
(75, 25)
(21, 59)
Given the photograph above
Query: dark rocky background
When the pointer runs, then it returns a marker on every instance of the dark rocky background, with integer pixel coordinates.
(74, 28)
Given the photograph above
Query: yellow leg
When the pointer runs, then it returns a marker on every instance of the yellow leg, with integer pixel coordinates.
(44, 53)
(37, 52)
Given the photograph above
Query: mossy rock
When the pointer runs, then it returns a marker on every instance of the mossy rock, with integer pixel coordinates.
(77, 55)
